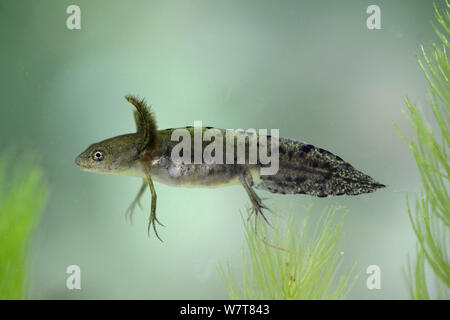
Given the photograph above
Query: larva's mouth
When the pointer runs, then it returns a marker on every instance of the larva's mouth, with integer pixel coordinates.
(78, 161)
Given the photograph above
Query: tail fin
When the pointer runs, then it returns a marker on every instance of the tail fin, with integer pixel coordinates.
(306, 169)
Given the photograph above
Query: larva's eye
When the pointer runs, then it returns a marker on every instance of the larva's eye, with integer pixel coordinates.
(98, 155)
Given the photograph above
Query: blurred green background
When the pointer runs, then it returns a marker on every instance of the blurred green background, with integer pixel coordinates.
(310, 68)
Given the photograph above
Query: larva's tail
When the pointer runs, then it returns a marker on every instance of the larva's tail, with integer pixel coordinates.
(306, 169)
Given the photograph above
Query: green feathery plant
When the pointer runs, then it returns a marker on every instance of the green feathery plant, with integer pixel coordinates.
(430, 218)
(22, 197)
(287, 262)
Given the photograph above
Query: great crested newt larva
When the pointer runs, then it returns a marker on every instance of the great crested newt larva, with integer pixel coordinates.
(303, 168)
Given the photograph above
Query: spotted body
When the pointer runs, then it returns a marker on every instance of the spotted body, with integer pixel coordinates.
(167, 171)
(304, 169)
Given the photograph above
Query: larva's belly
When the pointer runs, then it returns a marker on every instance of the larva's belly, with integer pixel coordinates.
(166, 171)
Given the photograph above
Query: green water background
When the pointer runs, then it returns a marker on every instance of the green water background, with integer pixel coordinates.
(310, 68)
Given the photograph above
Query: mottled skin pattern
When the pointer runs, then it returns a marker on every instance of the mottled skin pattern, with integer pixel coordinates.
(303, 168)
(306, 169)
(191, 175)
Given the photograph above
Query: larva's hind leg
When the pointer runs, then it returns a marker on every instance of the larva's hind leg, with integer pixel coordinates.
(257, 204)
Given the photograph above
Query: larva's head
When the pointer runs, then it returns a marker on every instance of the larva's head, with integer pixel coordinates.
(121, 155)
(116, 155)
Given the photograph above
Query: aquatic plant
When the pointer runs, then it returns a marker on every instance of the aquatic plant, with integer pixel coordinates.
(288, 261)
(430, 218)
(22, 197)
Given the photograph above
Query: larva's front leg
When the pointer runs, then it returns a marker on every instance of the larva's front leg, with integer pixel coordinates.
(152, 219)
(136, 202)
